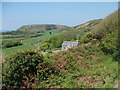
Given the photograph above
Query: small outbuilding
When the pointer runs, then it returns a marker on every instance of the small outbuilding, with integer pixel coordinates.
(69, 44)
(39, 42)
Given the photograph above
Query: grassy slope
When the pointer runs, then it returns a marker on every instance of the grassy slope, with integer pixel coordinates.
(38, 27)
(27, 43)
(89, 25)
(82, 67)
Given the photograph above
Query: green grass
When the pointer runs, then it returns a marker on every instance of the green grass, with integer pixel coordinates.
(44, 37)
(11, 50)
(30, 43)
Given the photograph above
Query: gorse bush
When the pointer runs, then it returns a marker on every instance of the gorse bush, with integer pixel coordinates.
(25, 69)
(21, 67)
(110, 42)
(87, 37)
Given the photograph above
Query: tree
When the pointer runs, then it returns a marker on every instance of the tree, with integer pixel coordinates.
(50, 32)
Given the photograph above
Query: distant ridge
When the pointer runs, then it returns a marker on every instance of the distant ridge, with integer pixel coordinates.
(38, 27)
(89, 24)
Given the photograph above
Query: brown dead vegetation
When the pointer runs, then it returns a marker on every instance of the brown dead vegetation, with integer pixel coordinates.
(88, 81)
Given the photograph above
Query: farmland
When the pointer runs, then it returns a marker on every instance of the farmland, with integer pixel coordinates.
(30, 43)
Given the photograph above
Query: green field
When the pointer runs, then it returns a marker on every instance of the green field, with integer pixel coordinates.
(30, 43)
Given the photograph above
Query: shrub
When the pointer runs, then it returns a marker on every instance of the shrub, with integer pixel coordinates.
(21, 68)
(46, 46)
(87, 38)
(50, 51)
(109, 43)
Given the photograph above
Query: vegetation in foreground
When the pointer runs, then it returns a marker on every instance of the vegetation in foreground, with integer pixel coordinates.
(83, 67)
(80, 67)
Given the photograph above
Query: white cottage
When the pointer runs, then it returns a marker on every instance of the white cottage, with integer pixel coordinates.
(69, 44)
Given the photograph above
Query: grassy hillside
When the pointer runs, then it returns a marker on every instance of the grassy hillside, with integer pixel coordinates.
(39, 27)
(107, 33)
(89, 24)
(34, 30)
(85, 66)
(108, 25)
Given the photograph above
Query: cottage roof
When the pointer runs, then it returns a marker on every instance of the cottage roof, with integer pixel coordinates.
(70, 42)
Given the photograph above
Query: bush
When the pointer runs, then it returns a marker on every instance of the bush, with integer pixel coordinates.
(87, 38)
(109, 42)
(56, 40)
(46, 46)
(50, 51)
(21, 68)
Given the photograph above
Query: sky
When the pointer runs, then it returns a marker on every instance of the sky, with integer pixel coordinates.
(17, 14)
(0, 16)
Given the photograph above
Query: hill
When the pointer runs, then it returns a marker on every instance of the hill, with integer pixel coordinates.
(89, 24)
(107, 33)
(34, 30)
(38, 27)
(107, 25)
